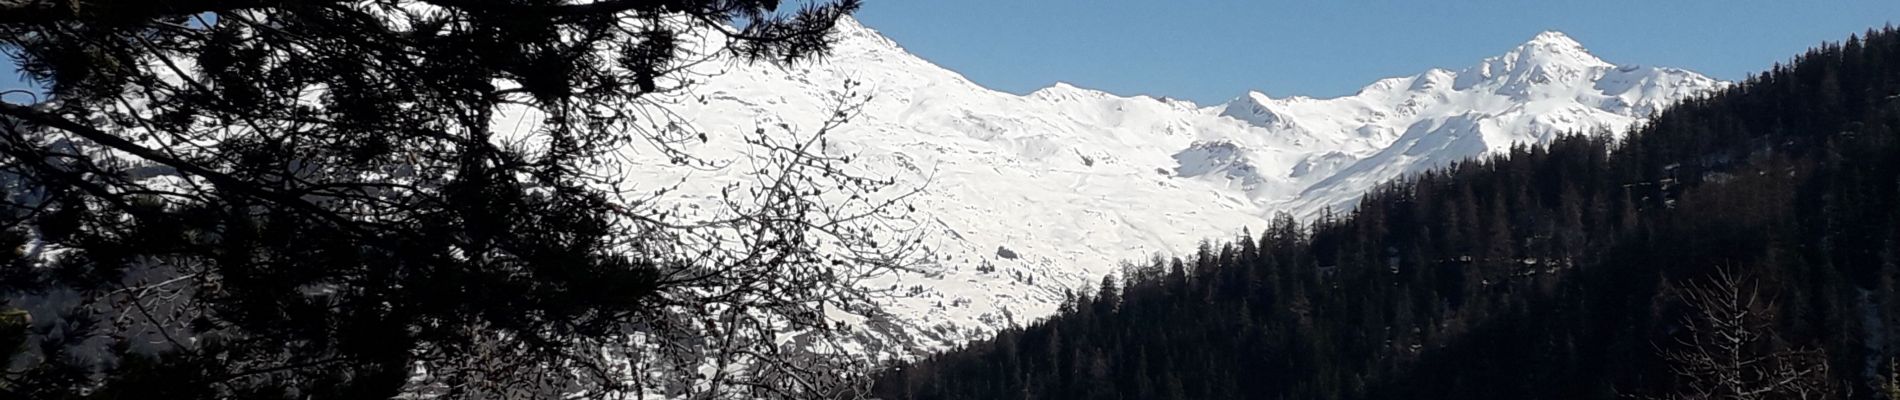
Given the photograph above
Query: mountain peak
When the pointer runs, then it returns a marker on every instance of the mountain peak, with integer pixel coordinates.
(1550, 57)
(1255, 108)
(1066, 91)
(1554, 39)
(1553, 47)
(850, 30)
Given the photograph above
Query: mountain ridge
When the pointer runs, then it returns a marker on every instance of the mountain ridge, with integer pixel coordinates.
(1742, 241)
(1073, 181)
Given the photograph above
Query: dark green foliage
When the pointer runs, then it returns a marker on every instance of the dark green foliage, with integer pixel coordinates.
(1542, 273)
(309, 199)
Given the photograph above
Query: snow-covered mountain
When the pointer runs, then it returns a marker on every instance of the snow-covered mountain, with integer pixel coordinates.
(1030, 194)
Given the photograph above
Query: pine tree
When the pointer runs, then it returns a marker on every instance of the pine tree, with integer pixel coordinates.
(311, 199)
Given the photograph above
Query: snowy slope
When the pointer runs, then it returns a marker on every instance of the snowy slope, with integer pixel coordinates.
(1537, 91)
(1030, 194)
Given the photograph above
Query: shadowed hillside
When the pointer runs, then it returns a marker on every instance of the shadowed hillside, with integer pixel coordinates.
(1561, 271)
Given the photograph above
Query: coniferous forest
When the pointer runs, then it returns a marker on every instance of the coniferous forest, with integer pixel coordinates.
(520, 199)
(1741, 245)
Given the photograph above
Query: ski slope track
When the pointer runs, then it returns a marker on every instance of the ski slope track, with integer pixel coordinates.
(1030, 194)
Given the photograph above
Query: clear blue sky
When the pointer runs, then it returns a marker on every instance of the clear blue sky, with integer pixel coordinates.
(1212, 50)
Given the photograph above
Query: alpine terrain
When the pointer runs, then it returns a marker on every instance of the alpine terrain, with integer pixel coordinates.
(1022, 197)
(1742, 244)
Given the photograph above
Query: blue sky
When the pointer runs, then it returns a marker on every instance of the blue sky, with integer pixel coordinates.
(1212, 50)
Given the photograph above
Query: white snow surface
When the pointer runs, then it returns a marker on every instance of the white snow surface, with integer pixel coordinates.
(1030, 194)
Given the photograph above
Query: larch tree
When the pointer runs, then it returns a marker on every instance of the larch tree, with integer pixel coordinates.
(1729, 349)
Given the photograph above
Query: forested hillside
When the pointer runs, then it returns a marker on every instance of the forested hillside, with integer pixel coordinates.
(1589, 268)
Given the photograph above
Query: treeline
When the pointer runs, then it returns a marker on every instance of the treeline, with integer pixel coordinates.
(1548, 272)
